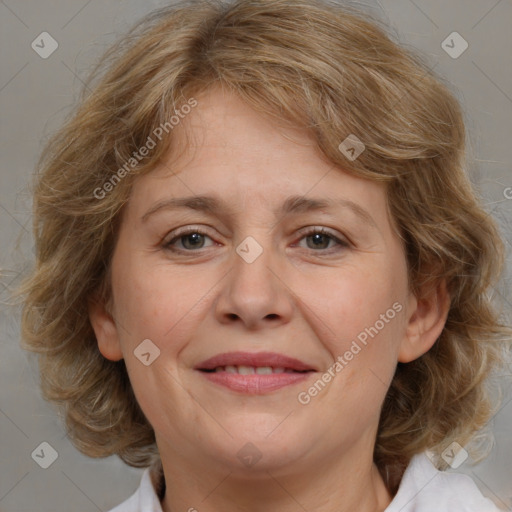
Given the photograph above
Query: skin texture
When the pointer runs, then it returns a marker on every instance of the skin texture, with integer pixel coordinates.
(296, 299)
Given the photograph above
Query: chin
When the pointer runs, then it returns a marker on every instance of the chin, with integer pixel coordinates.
(253, 451)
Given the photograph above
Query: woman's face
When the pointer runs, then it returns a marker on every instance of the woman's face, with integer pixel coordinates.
(256, 284)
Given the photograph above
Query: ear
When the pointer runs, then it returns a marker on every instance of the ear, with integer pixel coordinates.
(427, 318)
(105, 329)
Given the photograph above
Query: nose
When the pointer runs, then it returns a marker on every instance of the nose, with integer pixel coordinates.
(255, 294)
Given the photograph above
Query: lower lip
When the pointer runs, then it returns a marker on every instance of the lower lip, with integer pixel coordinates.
(255, 384)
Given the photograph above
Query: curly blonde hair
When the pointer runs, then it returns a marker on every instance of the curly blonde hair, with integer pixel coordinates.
(313, 64)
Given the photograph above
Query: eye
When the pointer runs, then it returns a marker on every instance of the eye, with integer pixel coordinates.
(193, 239)
(320, 239)
(190, 239)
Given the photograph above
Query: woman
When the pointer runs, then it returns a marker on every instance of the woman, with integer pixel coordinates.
(262, 271)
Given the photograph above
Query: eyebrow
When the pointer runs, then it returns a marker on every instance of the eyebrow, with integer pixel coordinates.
(292, 205)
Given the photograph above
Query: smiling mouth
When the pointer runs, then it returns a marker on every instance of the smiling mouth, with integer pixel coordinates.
(253, 370)
(254, 373)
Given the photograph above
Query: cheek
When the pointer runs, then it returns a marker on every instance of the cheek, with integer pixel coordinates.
(363, 311)
(159, 303)
(352, 301)
(362, 371)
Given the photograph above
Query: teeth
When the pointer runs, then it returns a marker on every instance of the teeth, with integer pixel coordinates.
(246, 370)
(251, 370)
(264, 370)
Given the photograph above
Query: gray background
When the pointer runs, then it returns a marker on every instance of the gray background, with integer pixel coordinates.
(36, 94)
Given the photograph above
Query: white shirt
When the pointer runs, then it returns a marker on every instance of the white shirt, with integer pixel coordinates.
(423, 488)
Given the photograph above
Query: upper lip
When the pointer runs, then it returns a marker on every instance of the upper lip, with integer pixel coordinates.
(254, 359)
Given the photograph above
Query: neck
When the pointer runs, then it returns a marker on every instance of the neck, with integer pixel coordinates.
(340, 484)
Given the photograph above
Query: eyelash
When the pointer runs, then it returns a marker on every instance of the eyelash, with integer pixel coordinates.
(304, 234)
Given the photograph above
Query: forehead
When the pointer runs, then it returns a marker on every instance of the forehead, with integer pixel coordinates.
(223, 137)
(224, 148)
(223, 127)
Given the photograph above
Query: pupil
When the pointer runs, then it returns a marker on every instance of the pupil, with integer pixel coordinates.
(195, 238)
(318, 238)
